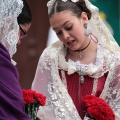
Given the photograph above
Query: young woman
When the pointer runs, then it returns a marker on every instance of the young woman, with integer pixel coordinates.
(11, 98)
(81, 63)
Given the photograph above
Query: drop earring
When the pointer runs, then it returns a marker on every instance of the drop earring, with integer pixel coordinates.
(87, 33)
(86, 30)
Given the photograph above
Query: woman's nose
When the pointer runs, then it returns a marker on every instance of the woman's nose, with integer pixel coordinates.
(66, 35)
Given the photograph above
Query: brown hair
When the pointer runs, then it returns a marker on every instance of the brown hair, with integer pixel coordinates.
(77, 8)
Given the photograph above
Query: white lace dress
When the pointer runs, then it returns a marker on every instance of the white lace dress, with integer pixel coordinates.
(48, 81)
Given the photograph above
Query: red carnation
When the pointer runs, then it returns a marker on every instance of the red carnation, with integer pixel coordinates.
(32, 101)
(98, 108)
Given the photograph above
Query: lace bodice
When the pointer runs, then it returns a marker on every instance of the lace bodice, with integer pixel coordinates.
(93, 70)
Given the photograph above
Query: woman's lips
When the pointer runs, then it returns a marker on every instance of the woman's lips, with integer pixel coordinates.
(71, 43)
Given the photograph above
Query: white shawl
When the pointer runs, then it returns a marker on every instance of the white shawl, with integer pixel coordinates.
(59, 104)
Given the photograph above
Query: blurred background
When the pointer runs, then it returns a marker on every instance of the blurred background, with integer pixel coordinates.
(31, 47)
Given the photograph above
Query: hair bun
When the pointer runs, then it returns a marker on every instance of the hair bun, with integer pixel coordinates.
(82, 5)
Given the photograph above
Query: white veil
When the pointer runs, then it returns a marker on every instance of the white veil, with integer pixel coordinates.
(9, 11)
(100, 30)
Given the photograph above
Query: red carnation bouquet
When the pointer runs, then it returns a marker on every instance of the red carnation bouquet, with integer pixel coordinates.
(97, 108)
(33, 101)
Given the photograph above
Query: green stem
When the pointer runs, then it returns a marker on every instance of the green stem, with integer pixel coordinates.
(29, 112)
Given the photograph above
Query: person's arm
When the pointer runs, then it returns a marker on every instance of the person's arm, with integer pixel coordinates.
(42, 84)
(11, 99)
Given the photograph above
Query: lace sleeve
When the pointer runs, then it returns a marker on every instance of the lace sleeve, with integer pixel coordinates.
(41, 81)
(111, 92)
(42, 73)
(47, 81)
(114, 91)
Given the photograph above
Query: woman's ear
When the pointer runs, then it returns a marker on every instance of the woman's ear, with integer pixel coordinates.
(84, 17)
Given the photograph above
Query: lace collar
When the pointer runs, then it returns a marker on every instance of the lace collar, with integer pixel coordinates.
(93, 70)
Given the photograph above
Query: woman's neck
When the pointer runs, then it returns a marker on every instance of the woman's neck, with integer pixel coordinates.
(89, 54)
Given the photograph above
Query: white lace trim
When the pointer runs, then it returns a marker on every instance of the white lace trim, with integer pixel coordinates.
(65, 82)
(93, 70)
(9, 11)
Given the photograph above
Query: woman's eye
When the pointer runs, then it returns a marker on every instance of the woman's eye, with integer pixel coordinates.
(69, 28)
(59, 33)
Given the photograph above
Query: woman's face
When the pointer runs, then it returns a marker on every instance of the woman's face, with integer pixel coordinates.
(69, 28)
(23, 28)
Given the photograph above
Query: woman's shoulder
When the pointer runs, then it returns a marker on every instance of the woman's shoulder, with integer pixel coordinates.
(55, 45)
(111, 56)
(52, 50)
